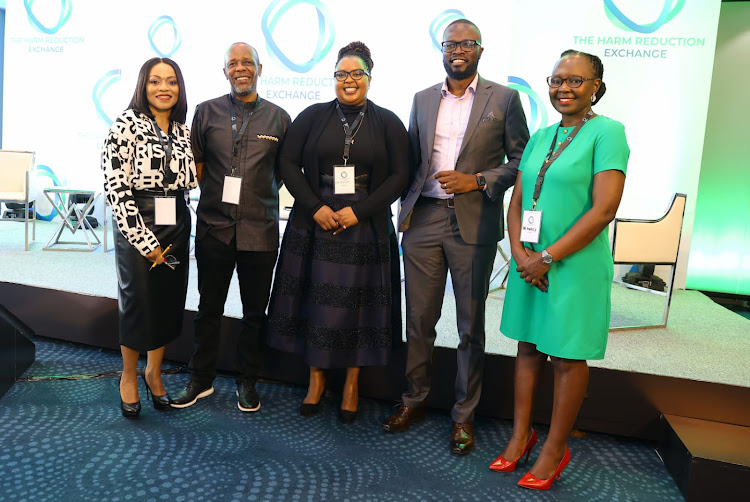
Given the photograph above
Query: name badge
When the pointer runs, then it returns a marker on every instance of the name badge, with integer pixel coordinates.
(531, 223)
(165, 211)
(231, 193)
(343, 179)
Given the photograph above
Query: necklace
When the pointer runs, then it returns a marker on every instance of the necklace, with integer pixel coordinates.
(357, 129)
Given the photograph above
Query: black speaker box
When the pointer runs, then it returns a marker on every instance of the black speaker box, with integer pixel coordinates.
(17, 351)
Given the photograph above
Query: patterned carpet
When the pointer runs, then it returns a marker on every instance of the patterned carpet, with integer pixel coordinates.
(65, 440)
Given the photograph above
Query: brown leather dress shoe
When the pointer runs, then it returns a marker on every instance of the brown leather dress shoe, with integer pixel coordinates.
(462, 438)
(403, 418)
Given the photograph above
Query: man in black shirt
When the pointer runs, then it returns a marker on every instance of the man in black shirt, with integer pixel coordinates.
(235, 141)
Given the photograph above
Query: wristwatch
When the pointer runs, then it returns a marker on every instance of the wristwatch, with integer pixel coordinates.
(546, 257)
(481, 182)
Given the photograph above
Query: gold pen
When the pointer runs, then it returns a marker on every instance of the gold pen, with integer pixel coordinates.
(162, 255)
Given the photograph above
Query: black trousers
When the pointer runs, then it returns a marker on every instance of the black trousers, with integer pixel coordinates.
(216, 263)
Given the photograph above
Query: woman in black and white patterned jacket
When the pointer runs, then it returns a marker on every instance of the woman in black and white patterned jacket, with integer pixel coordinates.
(148, 169)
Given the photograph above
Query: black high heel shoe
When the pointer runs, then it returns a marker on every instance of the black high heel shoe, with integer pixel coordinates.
(309, 409)
(161, 403)
(347, 417)
(129, 410)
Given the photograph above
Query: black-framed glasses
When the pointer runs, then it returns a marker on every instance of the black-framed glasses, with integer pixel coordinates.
(466, 45)
(342, 75)
(573, 81)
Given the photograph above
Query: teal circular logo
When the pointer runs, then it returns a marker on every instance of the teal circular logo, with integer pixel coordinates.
(537, 109)
(668, 12)
(168, 22)
(326, 32)
(100, 88)
(438, 25)
(66, 8)
(46, 172)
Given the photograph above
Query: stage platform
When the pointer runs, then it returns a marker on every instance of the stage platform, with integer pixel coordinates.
(697, 367)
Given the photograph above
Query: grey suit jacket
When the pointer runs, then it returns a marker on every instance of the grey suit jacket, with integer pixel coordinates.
(496, 129)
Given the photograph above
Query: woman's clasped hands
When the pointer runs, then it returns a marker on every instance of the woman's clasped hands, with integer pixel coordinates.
(532, 269)
(338, 221)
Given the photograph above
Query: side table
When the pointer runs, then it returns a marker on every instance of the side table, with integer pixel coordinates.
(67, 215)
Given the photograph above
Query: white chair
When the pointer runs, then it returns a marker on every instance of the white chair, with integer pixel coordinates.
(18, 185)
(656, 242)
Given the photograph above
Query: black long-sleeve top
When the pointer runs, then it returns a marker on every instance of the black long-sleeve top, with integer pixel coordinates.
(314, 143)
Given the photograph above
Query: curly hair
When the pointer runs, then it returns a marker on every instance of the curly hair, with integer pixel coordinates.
(596, 64)
(359, 50)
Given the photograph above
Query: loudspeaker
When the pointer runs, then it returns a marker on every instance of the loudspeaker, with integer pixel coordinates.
(17, 351)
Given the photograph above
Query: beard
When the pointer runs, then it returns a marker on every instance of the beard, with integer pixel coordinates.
(245, 90)
(470, 70)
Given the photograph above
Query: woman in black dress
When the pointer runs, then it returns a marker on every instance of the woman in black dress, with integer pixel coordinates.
(336, 296)
(148, 168)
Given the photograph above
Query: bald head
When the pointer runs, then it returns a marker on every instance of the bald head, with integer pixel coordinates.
(245, 46)
(242, 69)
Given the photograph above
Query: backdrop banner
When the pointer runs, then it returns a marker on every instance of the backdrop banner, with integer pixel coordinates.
(71, 67)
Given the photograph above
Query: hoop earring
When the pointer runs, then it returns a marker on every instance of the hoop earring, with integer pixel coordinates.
(593, 98)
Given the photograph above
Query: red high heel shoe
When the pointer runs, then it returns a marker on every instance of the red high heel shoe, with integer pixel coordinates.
(529, 481)
(502, 465)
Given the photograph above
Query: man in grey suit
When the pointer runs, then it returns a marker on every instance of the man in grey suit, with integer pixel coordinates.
(461, 131)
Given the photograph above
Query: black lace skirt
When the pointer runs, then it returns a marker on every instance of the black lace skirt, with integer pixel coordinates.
(333, 296)
(152, 302)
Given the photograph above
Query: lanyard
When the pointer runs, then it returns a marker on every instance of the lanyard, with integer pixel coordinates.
(237, 136)
(552, 155)
(167, 146)
(348, 135)
(169, 176)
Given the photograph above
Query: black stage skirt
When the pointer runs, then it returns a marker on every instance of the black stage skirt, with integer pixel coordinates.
(333, 296)
(152, 302)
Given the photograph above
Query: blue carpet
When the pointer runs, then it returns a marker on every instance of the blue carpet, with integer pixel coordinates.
(64, 440)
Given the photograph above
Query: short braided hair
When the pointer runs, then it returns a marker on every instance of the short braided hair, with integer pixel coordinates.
(359, 50)
(596, 64)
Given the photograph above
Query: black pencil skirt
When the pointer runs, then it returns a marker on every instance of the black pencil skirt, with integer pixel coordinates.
(152, 302)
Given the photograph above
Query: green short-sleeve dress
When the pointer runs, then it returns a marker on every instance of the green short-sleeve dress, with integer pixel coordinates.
(572, 320)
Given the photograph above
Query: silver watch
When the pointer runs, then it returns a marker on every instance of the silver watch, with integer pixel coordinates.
(546, 257)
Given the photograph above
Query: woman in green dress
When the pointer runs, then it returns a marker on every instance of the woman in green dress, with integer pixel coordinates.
(558, 306)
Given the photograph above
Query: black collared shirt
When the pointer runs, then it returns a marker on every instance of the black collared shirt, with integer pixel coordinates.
(255, 221)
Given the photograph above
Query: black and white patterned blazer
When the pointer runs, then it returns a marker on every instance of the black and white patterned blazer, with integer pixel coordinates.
(133, 159)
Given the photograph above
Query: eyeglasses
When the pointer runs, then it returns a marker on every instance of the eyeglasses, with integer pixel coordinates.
(573, 81)
(342, 75)
(170, 261)
(466, 45)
